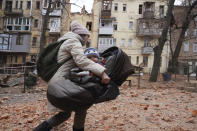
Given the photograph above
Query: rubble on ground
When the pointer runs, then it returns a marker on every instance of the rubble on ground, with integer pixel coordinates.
(156, 106)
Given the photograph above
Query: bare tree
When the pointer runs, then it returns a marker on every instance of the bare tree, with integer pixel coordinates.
(45, 18)
(191, 4)
(161, 42)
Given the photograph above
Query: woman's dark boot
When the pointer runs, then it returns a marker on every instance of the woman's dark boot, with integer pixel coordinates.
(44, 126)
(75, 129)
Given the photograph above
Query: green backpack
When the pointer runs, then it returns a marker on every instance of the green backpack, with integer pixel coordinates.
(47, 64)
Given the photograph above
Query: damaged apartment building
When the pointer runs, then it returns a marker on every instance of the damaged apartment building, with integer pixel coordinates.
(85, 19)
(132, 25)
(187, 60)
(20, 29)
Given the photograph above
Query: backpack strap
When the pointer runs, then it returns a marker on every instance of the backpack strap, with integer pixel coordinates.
(64, 61)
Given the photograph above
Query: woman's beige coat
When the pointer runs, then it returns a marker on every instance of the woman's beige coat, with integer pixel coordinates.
(73, 47)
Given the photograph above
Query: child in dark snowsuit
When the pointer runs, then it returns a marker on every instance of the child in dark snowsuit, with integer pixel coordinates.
(82, 77)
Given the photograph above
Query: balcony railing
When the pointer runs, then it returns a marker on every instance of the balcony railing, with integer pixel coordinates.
(13, 11)
(149, 32)
(106, 31)
(105, 13)
(147, 50)
(105, 43)
(149, 27)
(148, 14)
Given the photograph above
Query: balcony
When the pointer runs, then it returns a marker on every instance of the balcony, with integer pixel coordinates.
(105, 43)
(106, 14)
(149, 32)
(13, 11)
(10, 43)
(56, 12)
(106, 31)
(148, 14)
(149, 27)
(147, 50)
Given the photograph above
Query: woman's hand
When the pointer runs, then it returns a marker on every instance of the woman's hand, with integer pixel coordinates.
(105, 78)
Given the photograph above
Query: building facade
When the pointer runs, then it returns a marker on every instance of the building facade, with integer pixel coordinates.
(188, 53)
(132, 25)
(85, 19)
(20, 28)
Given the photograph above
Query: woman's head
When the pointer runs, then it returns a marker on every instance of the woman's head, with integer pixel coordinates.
(80, 30)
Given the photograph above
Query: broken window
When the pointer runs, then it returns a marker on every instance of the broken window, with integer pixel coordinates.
(145, 61)
(137, 60)
(36, 23)
(37, 5)
(1, 1)
(106, 5)
(58, 4)
(148, 6)
(21, 5)
(55, 24)
(161, 11)
(33, 58)
(115, 26)
(186, 32)
(140, 9)
(16, 59)
(89, 26)
(28, 4)
(23, 59)
(11, 57)
(8, 6)
(45, 3)
(34, 41)
(16, 4)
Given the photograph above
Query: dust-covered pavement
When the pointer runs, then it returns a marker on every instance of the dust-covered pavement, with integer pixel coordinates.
(153, 107)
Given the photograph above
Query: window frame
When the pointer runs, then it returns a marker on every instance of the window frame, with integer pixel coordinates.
(129, 42)
(115, 6)
(195, 47)
(115, 26)
(130, 25)
(36, 23)
(28, 5)
(140, 9)
(184, 48)
(37, 3)
(124, 7)
(122, 44)
(34, 41)
(145, 61)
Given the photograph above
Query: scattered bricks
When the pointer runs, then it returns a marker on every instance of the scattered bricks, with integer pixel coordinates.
(194, 113)
(4, 116)
(190, 120)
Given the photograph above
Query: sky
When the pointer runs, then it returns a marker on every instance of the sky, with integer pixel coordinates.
(88, 5)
